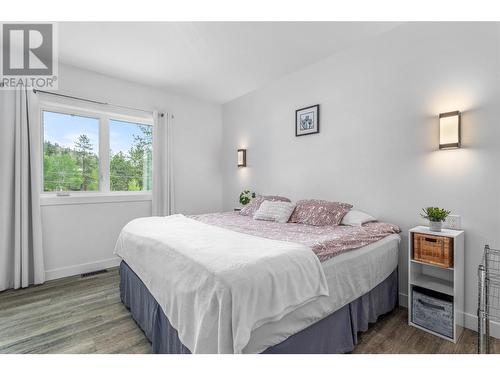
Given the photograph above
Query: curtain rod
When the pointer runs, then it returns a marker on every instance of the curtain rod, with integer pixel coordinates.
(93, 101)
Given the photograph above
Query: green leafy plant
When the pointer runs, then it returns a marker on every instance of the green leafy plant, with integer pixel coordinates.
(435, 214)
(246, 196)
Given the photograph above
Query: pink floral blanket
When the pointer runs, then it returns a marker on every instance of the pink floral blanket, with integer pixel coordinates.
(325, 241)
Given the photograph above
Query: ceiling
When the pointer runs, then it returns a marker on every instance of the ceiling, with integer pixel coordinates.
(216, 61)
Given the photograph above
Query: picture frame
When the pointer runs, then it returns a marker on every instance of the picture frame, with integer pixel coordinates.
(307, 120)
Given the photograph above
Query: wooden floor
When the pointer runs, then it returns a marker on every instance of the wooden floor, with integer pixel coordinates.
(85, 315)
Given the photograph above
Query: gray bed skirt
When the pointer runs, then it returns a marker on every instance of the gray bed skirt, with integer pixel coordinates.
(337, 333)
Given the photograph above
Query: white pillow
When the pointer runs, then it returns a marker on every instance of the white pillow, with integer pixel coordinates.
(274, 211)
(356, 218)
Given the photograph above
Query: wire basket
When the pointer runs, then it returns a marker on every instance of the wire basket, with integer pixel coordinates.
(488, 296)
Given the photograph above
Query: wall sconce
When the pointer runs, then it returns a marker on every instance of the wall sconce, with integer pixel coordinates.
(242, 157)
(449, 130)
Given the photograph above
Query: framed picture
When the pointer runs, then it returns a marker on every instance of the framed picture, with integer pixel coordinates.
(307, 120)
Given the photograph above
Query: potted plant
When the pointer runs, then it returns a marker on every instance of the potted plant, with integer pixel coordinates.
(436, 216)
(246, 196)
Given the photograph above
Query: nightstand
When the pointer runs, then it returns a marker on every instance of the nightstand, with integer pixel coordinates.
(436, 291)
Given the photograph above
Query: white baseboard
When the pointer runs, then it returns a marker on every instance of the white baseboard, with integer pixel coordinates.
(78, 269)
(470, 320)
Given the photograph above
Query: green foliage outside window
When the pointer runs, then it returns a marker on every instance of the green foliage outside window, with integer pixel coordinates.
(131, 171)
(77, 168)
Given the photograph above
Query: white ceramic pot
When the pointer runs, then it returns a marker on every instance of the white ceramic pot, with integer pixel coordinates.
(435, 226)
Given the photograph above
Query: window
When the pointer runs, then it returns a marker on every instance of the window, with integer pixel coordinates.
(87, 152)
(130, 156)
(70, 152)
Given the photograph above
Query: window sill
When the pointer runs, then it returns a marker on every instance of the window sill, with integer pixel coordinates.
(51, 199)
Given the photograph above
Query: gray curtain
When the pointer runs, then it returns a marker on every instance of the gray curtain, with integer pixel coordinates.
(163, 184)
(21, 254)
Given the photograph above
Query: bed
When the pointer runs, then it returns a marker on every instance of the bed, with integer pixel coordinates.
(358, 267)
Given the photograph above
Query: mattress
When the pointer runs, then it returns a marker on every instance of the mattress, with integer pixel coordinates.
(349, 275)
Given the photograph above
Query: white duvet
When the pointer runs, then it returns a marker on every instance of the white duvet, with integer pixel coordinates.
(215, 285)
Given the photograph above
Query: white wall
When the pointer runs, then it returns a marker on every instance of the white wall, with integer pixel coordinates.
(379, 133)
(81, 237)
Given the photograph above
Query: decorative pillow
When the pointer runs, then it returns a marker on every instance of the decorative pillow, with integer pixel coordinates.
(318, 212)
(253, 206)
(356, 218)
(274, 211)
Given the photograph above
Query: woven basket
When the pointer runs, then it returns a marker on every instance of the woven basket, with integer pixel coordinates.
(436, 250)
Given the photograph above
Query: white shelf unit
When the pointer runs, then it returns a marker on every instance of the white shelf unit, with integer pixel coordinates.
(449, 281)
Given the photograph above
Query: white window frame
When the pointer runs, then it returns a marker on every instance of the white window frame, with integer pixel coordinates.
(104, 194)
